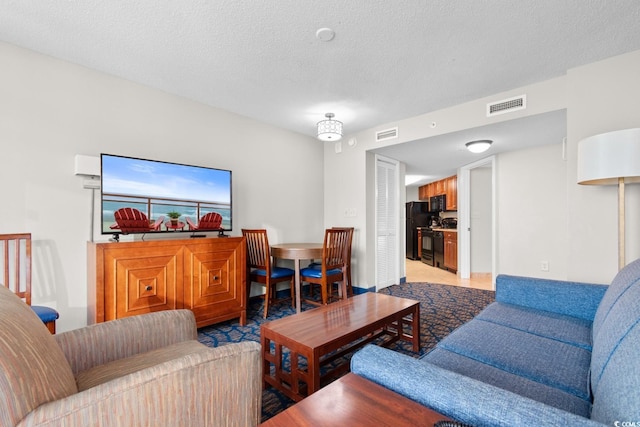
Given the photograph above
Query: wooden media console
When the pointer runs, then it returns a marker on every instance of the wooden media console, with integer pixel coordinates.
(206, 276)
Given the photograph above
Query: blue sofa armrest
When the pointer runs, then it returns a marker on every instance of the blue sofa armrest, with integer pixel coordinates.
(454, 395)
(574, 299)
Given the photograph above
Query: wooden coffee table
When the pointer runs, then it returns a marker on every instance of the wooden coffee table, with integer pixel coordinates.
(355, 401)
(324, 335)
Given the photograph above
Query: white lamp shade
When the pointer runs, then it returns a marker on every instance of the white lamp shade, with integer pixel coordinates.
(604, 158)
(329, 129)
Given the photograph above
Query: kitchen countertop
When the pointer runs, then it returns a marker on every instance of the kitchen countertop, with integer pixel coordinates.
(455, 230)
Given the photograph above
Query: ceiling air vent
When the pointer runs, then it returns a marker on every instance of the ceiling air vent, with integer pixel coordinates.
(507, 105)
(387, 134)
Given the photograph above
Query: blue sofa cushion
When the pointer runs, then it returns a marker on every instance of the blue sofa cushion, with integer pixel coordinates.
(566, 329)
(457, 396)
(573, 299)
(508, 381)
(536, 358)
(617, 390)
(276, 272)
(615, 365)
(624, 280)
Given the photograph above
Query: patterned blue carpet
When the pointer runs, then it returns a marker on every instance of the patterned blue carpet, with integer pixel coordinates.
(442, 309)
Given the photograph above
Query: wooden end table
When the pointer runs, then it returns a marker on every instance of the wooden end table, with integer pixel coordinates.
(355, 401)
(177, 226)
(325, 334)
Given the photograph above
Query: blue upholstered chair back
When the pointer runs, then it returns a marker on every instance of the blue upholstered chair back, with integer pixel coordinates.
(615, 361)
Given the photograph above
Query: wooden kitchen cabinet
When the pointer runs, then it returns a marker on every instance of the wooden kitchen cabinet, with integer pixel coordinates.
(422, 193)
(206, 276)
(447, 186)
(451, 191)
(425, 191)
(451, 251)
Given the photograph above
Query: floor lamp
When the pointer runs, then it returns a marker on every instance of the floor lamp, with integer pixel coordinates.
(608, 159)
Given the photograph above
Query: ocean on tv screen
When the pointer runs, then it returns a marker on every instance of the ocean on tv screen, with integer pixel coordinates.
(158, 188)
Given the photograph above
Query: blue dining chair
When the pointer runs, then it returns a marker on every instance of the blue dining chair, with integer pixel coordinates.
(318, 265)
(261, 269)
(333, 265)
(16, 274)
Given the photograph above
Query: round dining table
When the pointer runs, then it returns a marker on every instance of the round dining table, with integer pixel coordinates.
(297, 252)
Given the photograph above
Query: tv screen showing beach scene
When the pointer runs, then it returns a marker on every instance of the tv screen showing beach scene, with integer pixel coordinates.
(150, 196)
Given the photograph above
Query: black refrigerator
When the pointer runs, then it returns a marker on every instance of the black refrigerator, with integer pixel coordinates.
(417, 216)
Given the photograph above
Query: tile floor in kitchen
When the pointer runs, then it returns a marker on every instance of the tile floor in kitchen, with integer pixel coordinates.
(417, 271)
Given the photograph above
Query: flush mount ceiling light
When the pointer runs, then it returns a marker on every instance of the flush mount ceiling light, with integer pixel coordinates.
(479, 146)
(329, 129)
(325, 34)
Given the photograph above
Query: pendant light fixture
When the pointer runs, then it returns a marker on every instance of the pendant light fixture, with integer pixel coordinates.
(479, 146)
(329, 129)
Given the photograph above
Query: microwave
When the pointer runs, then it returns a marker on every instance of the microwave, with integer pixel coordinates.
(438, 203)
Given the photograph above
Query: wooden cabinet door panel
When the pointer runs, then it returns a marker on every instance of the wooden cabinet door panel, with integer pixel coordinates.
(451, 250)
(209, 275)
(214, 281)
(423, 193)
(142, 283)
(452, 193)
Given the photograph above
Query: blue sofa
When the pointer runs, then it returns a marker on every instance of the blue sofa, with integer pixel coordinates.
(545, 353)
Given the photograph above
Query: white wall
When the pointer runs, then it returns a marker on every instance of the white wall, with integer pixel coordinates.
(411, 194)
(598, 97)
(343, 174)
(603, 96)
(52, 110)
(349, 174)
(531, 205)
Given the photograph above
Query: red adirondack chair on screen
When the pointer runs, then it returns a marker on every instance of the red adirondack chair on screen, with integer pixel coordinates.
(130, 220)
(210, 221)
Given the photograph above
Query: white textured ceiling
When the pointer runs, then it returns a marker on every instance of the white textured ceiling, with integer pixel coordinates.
(389, 60)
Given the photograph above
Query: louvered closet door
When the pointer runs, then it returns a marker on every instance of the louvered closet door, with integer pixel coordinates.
(387, 214)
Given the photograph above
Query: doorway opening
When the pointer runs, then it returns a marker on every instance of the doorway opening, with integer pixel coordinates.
(477, 218)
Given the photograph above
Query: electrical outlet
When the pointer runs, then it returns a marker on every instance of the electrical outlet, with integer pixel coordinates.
(544, 265)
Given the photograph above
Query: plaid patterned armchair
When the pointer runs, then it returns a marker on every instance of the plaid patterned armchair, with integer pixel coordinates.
(146, 370)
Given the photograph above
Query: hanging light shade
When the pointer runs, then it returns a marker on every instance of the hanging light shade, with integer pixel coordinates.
(478, 146)
(329, 129)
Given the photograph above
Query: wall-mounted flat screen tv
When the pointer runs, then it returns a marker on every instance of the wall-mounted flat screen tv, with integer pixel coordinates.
(150, 196)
